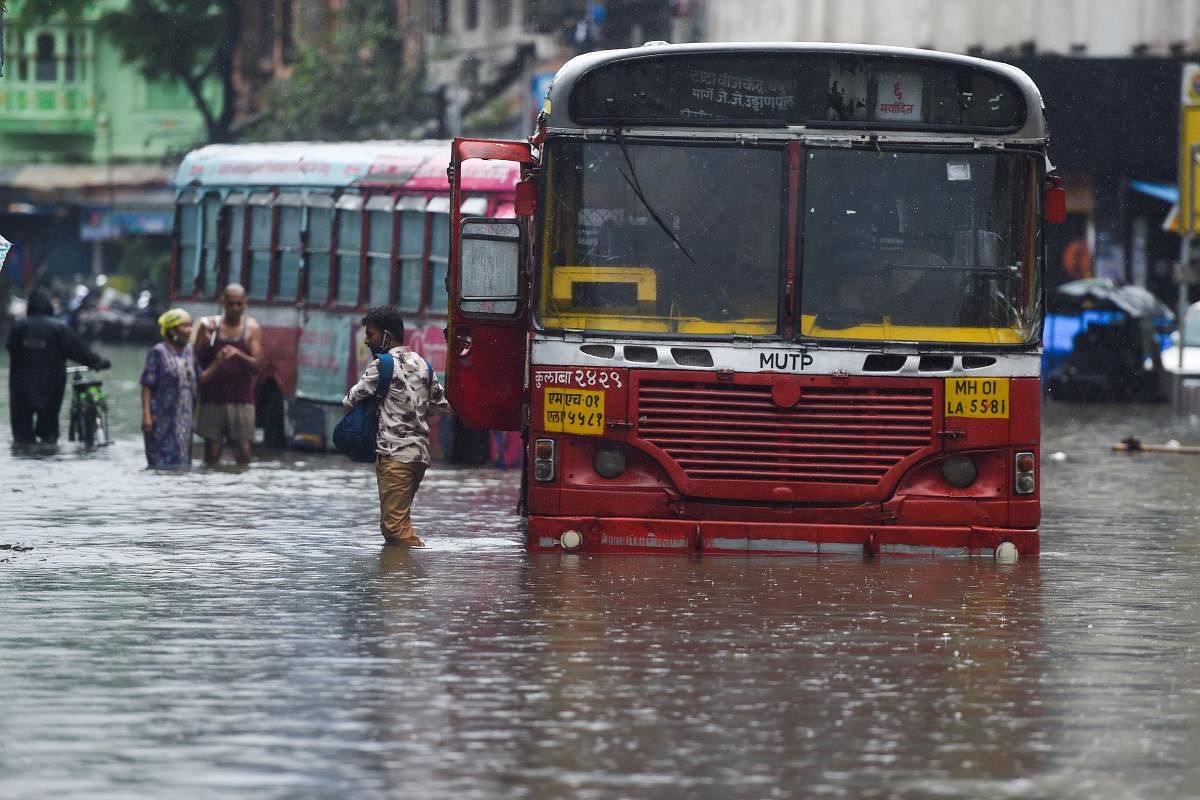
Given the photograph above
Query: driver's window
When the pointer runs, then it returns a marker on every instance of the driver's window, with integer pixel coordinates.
(490, 266)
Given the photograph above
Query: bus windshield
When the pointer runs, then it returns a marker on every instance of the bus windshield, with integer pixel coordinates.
(690, 239)
(920, 246)
(663, 237)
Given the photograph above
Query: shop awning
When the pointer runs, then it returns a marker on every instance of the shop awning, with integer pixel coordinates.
(119, 186)
(64, 177)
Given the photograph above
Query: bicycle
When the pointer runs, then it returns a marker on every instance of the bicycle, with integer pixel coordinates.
(89, 409)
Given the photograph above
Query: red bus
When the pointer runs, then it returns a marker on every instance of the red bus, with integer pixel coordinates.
(765, 298)
(317, 233)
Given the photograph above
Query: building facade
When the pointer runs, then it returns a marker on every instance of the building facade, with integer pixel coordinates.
(1095, 28)
(84, 141)
(1109, 71)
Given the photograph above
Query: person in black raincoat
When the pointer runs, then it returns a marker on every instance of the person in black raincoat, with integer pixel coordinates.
(39, 347)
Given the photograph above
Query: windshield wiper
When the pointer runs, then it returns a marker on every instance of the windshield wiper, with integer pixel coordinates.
(634, 184)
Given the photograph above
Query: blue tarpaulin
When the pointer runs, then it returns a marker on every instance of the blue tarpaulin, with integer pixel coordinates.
(1167, 192)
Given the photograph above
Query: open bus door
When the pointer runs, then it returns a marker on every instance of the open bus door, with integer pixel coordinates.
(489, 299)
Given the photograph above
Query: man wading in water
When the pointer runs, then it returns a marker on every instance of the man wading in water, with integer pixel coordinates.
(403, 440)
(233, 342)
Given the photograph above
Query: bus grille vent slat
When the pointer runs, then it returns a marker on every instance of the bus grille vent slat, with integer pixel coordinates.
(849, 435)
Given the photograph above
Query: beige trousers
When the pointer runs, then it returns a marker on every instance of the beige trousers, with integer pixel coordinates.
(398, 484)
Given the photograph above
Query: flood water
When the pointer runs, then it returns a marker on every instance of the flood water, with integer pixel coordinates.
(241, 633)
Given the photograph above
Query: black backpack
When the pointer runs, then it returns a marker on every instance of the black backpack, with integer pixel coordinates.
(356, 433)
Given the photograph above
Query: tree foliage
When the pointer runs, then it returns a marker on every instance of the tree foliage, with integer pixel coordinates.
(351, 84)
(189, 41)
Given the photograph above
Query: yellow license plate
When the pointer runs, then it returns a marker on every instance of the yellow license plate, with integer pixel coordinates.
(574, 411)
(985, 398)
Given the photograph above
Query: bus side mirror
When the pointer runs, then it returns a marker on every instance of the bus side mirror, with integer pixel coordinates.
(1056, 205)
(525, 201)
(490, 264)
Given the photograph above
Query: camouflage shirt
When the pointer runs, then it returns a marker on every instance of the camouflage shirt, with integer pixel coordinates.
(403, 417)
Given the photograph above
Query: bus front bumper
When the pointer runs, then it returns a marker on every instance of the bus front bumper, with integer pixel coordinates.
(624, 535)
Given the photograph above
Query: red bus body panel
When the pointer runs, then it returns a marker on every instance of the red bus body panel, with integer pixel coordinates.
(855, 467)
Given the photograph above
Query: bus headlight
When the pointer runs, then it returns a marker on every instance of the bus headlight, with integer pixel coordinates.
(1025, 474)
(543, 460)
(959, 471)
(609, 462)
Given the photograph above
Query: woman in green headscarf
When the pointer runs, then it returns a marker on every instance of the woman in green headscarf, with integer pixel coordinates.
(169, 384)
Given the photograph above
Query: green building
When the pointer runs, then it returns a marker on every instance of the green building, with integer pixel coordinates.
(87, 147)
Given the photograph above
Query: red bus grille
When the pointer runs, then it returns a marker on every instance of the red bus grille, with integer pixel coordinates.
(841, 435)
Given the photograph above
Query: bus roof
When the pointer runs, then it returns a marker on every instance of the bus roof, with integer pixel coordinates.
(765, 85)
(409, 165)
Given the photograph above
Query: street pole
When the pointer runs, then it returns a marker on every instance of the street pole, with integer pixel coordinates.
(1187, 222)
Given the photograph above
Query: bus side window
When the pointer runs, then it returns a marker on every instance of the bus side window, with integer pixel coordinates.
(411, 252)
(379, 249)
(209, 254)
(349, 248)
(189, 249)
(235, 222)
(262, 213)
(320, 236)
(439, 252)
(288, 247)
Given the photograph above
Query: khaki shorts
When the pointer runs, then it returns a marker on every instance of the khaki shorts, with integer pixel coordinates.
(232, 421)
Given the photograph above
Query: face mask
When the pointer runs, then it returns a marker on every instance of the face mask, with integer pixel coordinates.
(383, 346)
(178, 338)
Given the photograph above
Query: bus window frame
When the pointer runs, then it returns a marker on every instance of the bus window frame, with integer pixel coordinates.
(187, 197)
(260, 200)
(211, 204)
(347, 201)
(943, 148)
(412, 204)
(289, 200)
(384, 204)
(787, 270)
(233, 211)
(517, 298)
(327, 201)
(434, 206)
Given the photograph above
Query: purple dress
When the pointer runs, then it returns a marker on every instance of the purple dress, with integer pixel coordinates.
(172, 378)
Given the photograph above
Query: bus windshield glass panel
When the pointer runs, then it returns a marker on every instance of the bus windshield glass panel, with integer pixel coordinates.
(814, 89)
(920, 246)
(664, 237)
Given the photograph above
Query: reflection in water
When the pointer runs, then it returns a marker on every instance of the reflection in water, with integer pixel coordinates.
(232, 632)
(827, 675)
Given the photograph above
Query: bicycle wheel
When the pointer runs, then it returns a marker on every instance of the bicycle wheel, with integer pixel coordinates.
(89, 426)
